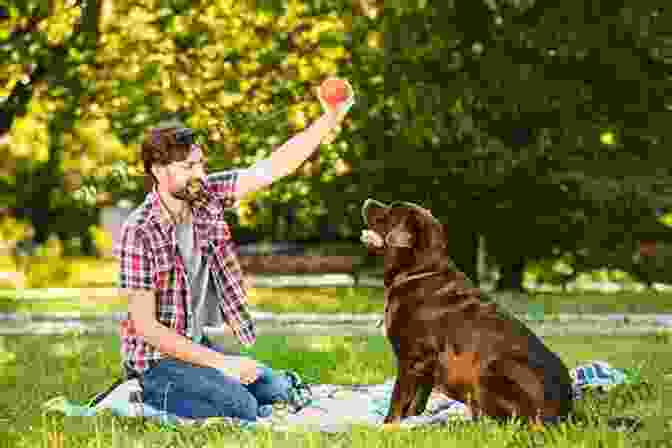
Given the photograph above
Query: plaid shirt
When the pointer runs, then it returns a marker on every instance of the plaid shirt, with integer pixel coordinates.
(149, 260)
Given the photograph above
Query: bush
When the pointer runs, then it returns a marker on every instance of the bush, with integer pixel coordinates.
(552, 271)
(92, 272)
(657, 268)
(7, 263)
(71, 272)
(45, 272)
(102, 240)
(13, 230)
(45, 268)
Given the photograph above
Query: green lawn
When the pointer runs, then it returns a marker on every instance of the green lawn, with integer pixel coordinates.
(36, 368)
(9, 305)
(621, 302)
(353, 300)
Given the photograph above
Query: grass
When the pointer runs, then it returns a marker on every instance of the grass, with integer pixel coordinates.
(34, 369)
(282, 300)
(346, 300)
(9, 305)
(619, 302)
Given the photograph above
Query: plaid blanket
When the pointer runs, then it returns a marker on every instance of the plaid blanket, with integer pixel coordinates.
(328, 407)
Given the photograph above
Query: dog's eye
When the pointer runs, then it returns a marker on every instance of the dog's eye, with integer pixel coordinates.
(377, 221)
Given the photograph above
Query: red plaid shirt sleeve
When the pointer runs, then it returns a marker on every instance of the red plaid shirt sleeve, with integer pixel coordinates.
(135, 257)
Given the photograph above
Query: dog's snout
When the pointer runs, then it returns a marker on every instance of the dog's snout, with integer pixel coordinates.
(371, 238)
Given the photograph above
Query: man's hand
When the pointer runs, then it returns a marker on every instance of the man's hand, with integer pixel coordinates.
(338, 111)
(336, 101)
(248, 371)
(245, 371)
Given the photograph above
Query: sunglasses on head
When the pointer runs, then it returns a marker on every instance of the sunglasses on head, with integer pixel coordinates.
(184, 136)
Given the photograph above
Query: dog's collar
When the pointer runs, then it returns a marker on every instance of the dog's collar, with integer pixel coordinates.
(400, 280)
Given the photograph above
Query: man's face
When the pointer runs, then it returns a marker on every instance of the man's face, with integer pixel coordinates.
(175, 178)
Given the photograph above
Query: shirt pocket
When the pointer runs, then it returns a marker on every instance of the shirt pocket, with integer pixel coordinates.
(164, 264)
(218, 229)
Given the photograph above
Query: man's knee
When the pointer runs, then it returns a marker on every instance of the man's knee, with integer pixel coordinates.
(280, 386)
(231, 400)
(228, 396)
(246, 407)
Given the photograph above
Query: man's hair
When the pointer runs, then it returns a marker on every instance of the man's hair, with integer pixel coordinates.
(161, 147)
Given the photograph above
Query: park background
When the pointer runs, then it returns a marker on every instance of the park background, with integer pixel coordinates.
(537, 134)
(538, 131)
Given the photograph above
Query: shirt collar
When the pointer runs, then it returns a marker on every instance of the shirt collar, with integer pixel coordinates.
(200, 214)
(155, 212)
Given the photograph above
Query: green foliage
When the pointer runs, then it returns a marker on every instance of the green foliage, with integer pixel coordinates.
(553, 271)
(238, 73)
(504, 107)
(506, 110)
(47, 269)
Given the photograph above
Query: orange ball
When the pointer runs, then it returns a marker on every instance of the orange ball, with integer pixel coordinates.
(334, 91)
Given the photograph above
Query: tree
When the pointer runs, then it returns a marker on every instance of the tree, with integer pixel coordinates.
(49, 57)
(239, 73)
(517, 101)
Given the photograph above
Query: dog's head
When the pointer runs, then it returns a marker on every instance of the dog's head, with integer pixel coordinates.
(406, 234)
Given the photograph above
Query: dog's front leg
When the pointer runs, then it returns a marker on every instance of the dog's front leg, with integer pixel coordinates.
(420, 399)
(403, 396)
(394, 413)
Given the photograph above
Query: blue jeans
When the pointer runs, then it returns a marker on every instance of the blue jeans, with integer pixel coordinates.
(191, 391)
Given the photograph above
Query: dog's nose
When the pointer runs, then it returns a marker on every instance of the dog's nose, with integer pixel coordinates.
(371, 238)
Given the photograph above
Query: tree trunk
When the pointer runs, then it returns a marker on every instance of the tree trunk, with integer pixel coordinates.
(511, 276)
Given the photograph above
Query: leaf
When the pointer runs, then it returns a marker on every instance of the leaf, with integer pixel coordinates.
(331, 39)
(57, 91)
(151, 72)
(232, 85)
(271, 56)
(275, 7)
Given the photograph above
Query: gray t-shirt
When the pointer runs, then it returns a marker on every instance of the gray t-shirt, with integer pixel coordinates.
(204, 310)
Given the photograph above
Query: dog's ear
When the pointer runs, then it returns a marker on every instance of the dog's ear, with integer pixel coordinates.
(431, 245)
(428, 232)
(373, 210)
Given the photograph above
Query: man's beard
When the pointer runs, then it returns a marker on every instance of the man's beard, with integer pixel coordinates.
(194, 193)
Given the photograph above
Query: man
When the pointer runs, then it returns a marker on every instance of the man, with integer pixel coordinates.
(179, 273)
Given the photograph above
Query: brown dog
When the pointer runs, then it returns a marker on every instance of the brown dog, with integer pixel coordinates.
(448, 335)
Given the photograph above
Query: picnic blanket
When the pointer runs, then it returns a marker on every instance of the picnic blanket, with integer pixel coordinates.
(332, 407)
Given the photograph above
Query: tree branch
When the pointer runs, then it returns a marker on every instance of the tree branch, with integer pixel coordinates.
(16, 104)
